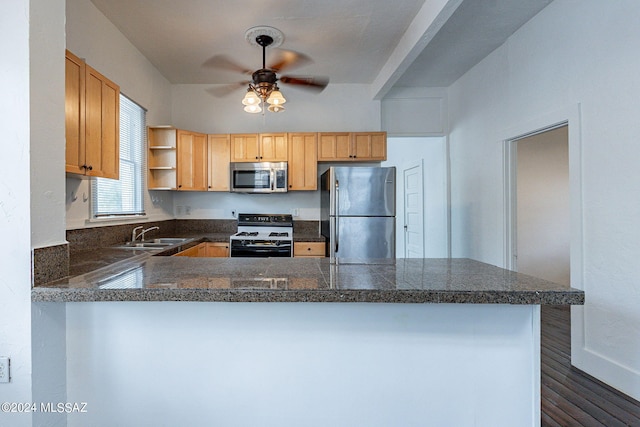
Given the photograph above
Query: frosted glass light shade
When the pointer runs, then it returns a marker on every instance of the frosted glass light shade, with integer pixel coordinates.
(276, 98)
(254, 108)
(275, 108)
(250, 98)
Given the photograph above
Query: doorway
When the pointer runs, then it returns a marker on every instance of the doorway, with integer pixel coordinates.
(542, 212)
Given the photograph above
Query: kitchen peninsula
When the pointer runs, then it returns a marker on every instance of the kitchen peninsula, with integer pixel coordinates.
(303, 342)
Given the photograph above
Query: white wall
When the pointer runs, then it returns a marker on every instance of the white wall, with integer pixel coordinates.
(47, 123)
(47, 69)
(406, 151)
(572, 52)
(91, 36)
(15, 280)
(339, 107)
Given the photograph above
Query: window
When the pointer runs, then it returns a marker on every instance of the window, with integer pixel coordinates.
(124, 197)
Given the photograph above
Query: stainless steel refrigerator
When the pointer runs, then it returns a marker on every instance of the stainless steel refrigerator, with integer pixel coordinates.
(358, 214)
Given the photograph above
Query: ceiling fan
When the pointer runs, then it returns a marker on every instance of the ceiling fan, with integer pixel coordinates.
(263, 86)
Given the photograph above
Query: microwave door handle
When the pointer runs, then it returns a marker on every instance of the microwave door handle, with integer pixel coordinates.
(273, 179)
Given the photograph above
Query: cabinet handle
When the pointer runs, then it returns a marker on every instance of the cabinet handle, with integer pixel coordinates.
(180, 186)
(257, 157)
(90, 167)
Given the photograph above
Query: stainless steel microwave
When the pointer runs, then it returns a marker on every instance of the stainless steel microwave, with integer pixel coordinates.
(263, 177)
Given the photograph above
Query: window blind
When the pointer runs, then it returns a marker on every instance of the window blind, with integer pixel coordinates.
(124, 196)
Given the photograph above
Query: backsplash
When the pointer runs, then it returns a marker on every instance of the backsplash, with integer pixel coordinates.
(89, 238)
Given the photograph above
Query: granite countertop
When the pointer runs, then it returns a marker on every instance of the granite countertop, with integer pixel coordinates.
(88, 260)
(144, 277)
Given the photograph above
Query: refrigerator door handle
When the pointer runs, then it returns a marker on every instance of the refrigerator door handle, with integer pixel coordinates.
(337, 212)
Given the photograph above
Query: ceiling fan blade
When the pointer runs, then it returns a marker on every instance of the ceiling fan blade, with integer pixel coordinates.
(224, 90)
(223, 62)
(287, 59)
(314, 83)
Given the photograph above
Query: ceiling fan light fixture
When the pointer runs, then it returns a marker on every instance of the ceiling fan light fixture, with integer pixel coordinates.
(253, 109)
(275, 97)
(250, 98)
(275, 108)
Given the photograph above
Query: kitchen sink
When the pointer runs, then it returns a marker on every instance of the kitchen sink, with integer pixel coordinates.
(169, 240)
(159, 243)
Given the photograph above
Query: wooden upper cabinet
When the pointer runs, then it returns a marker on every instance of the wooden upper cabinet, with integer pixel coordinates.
(161, 158)
(245, 147)
(303, 161)
(352, 147)
(273, 147)
(92, 121)
(265, 147)
(219, 152)
(74, 113)
(334, 146)
(192, 161)
(369, 145)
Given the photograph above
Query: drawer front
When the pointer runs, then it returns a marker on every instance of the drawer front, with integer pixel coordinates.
(308, 249)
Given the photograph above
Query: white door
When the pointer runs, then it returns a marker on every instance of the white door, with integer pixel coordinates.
(413, 211)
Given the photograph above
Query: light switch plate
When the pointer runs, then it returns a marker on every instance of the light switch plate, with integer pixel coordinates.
(4, 369)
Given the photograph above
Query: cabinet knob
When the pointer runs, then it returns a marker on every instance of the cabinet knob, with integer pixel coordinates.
(180, 186)
(257, 157)
(90, 167)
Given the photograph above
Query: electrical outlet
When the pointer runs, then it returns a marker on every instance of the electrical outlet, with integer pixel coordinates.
(4, 369)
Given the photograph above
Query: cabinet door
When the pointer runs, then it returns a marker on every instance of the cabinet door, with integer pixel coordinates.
(334, 146)
(219, 152)
(192, 161)
(369, 146)
(102, 125)
(245, 148)
(273, 147)
(218, 250)
(303, 161)
(192, 251)
(74, 113)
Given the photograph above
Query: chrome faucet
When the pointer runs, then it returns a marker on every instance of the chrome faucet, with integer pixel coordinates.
(133, 233)
(135, 237)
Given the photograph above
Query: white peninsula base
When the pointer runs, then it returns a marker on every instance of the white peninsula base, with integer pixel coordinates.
(303, 364)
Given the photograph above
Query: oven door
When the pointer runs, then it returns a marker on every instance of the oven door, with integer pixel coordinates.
(260, 248)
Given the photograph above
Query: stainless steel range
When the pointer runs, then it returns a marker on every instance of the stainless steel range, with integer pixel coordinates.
(263, 236)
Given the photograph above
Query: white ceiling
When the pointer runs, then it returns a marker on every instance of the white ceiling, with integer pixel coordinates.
(350, 41)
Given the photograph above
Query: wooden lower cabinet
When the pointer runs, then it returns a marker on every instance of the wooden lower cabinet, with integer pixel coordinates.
(192, 251)
(309, 249)
(207, 249)
(217, 249)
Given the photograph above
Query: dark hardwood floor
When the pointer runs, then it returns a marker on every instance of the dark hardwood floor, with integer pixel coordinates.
(569, 396)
